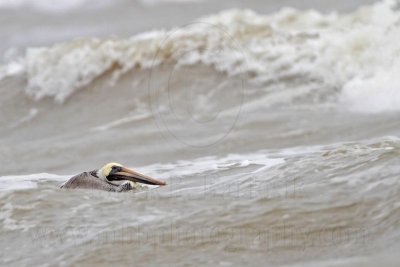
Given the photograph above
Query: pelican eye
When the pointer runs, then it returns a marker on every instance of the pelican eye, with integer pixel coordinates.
(115, 169)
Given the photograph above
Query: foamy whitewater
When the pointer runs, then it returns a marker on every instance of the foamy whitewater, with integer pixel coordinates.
(276, 131)
(355, 52)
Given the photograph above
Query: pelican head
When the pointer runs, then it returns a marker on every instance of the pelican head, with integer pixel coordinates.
(116, 173)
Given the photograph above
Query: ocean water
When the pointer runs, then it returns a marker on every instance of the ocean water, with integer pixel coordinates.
(274, 123)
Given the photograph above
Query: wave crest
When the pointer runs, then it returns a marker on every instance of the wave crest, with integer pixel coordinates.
(336, 50)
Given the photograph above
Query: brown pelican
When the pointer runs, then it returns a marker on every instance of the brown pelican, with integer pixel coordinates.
(111, 177)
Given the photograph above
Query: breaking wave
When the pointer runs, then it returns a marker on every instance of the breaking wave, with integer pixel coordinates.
(353, 54)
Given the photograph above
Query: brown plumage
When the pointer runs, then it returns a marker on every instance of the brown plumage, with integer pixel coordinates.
(87, 180)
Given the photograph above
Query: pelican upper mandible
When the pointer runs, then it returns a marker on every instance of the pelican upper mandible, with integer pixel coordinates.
(111, 177)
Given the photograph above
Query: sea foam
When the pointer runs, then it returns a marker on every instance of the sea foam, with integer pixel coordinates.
(355, 53)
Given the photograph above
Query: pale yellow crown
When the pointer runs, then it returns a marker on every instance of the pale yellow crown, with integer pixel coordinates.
(106, 169)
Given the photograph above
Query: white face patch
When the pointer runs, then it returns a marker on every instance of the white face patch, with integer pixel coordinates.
(99, 174)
